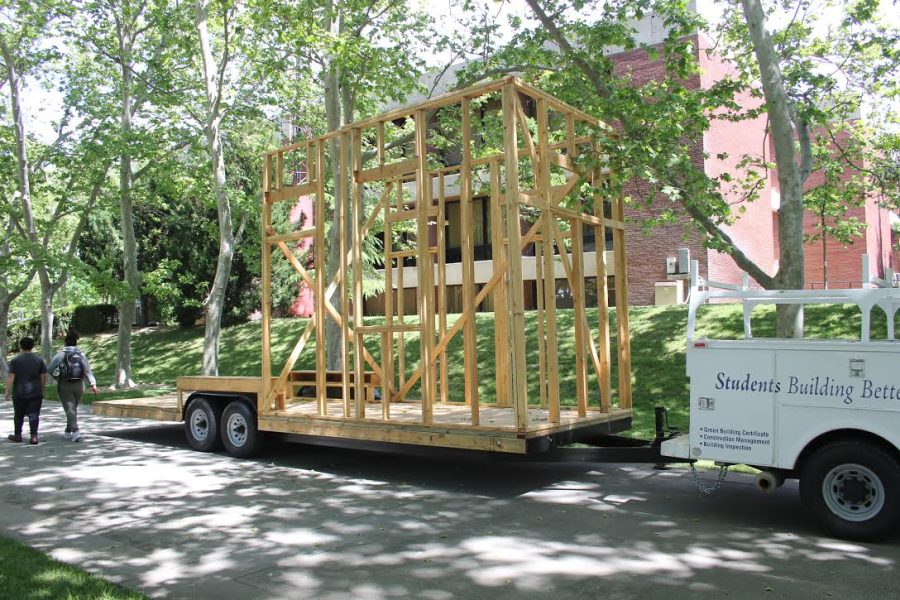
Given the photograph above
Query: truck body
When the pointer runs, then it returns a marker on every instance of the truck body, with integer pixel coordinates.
(826, 411)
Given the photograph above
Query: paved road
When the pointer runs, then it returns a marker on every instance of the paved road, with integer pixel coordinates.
(135, 504)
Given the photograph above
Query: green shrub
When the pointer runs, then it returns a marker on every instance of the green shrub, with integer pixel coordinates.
(32, 327)
(95, 318)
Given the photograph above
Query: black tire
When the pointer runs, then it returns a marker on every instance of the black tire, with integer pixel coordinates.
(852, 488)
(240, 434)
(201, 425)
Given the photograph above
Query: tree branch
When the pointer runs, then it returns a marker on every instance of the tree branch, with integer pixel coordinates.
(742, 260)
(592, 75)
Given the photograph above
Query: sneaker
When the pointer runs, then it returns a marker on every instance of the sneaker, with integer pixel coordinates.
(14, 438)
(34, 440)
(67, 435)
(76, 436)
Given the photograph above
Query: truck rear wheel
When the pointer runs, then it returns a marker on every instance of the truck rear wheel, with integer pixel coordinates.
(201, 425)
(240, 434)
(853, 489)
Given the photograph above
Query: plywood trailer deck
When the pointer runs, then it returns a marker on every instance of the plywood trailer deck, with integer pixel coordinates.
(403, 182)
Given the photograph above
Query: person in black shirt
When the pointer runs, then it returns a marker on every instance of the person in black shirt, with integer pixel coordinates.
(26, 380)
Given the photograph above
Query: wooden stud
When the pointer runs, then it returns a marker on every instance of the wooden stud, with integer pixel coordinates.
(321, 275)
(426, 287)
(356, 213)
(548, 225)
(571, 148)
(518, 370)
(379, 143)
(623, 341)
(279, 171)
(262, 405)
(341, 212)
(401, 312)
(470, 341)
(387, 346)
(605, 376)
(580, 315)
(500, 257)
(442, 281)
(539, 293)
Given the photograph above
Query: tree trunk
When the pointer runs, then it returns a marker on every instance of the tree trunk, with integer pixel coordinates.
(824, 254)
(790, 177)
(216, 300)
(126, 214)
(22, 170)
(47, 320)
(333, 333)
(5, 301)
(8, 294)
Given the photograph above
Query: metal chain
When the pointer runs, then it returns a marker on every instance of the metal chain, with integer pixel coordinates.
(704, 489)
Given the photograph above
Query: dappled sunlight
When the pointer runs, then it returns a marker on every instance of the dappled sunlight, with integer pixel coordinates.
(133, 503)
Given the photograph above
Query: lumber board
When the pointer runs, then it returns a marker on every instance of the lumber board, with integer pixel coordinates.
(266, 297)
(470, 345)
(154, 409)
(357, 216)
(501, 306)
(442, 284)
(321, 275)
(605, 353)
(515, 288)
(290, 192)
(300, 234)
(391, 171)
(426, 287)
(211, 383)
(548, 227)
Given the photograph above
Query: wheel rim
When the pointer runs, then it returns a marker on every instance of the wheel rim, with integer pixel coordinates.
(853, 492)
(199, 425)
(236, 429)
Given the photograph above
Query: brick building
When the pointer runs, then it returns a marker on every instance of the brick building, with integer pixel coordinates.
(650, 256)
(657, 260)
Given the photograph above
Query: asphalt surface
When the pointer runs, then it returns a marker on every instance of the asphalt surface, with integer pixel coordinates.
(135, 504)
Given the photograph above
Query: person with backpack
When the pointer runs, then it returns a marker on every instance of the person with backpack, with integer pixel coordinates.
(25, 381)
(70, 367)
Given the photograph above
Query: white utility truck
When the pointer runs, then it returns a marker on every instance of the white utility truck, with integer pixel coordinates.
(826, 411)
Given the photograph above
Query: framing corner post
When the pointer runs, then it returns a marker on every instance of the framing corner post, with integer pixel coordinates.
(262, 402)
(424, 268)
(516, 299)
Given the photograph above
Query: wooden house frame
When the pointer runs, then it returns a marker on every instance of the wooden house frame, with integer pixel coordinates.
(413, 189)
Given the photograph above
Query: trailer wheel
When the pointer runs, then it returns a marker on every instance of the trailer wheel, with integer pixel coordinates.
(201, 425)
(853, 489)
(240, 434)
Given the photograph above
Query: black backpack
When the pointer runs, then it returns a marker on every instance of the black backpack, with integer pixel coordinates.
(71, 367)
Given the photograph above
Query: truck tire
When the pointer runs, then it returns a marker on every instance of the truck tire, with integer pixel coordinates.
(201, 425)
(853, 489)
(240, 434)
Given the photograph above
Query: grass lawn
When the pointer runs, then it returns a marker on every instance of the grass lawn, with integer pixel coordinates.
(159, 355)
(26, 574)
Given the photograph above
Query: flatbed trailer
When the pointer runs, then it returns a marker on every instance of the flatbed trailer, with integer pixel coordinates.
(449, 429)
(398, 380)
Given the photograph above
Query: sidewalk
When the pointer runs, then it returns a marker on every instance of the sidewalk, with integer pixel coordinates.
(134, 504)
